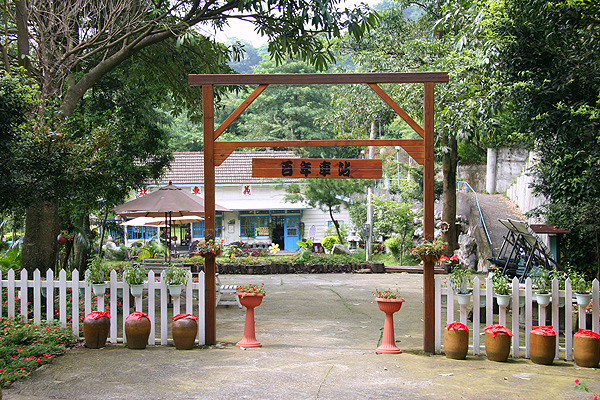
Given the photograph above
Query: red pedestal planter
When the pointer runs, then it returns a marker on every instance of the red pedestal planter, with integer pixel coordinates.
(250, 301)
(95, 329)
(184, 330)
(389, 307)
(137, 330)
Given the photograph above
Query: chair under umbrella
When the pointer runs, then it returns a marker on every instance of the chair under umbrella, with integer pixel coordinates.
(168, 201)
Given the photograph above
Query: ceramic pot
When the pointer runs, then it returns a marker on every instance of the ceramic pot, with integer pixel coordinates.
(503, 300)
(137, 332)
(586, 351)
(95, 332)
(464, 299)
(99, 288)
(543, 299)
(389, 307)
(174, 290)
(497, 348)
(136, 290)
(250, 301)
(456, 343)
(583, 299)
(542, 348)
(184, 332)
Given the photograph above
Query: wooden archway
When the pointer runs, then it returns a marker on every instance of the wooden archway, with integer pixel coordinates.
(215, 152)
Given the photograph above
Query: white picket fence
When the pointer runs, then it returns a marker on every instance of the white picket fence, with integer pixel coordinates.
(521, 314)
(45, 289)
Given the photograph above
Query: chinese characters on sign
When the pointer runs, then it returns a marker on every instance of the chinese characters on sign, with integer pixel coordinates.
(316, 168)
(247, 190)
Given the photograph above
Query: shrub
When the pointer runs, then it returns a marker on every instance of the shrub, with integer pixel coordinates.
(329, 241)
(395, 246)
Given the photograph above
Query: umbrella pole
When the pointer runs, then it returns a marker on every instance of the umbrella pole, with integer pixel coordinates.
(167, 237)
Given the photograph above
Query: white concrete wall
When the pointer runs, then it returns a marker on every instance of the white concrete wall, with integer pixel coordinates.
(521, 193)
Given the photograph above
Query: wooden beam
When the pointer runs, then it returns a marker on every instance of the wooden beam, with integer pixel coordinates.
(210, 315)
(428, 209)
(315, 79)
(238, 111)
(417, 128)
(316, 168)
(414, 147)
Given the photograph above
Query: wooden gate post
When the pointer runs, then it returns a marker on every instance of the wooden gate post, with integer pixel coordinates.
(210, 314)
(428, 194)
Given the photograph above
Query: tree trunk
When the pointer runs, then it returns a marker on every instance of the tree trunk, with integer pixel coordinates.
(80, 245)
(449, 166)
(40, 247)
(336, 224)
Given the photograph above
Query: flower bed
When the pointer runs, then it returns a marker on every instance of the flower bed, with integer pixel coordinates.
(25, 347)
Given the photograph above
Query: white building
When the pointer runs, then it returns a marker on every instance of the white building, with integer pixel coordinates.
(257, 204)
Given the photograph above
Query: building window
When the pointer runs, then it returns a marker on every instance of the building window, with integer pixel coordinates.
(254, 226)
(198, 227)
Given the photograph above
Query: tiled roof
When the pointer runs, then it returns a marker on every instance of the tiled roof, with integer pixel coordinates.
(188, 168)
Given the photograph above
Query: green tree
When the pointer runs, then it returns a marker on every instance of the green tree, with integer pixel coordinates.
(327, 194)
(77, 43)
(547, 57)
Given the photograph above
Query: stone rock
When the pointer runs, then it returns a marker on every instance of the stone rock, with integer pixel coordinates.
(340, 249)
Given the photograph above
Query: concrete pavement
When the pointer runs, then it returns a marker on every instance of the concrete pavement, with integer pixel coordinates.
(319, 333)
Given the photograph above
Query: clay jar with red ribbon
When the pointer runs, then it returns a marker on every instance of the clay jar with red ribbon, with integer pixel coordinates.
(95, 329)
(497, 342)
(586, 348)
(542, 345)
(137, 330)
(184, 330)
(456, 341)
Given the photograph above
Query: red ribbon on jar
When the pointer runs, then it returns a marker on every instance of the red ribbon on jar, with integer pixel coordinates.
(457, 326)
(587, 333)
(544, 330)
(179, 316)
(137, 315)
(496, 329)
(97, 314)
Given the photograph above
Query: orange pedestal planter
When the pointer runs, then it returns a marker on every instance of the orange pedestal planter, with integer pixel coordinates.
(456, 341)
(250, 301)
(586, 348)
(389, 307)
(542, 345)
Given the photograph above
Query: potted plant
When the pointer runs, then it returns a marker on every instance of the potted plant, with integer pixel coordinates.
(581, 287)
(456, 340)
(389, 301)
(209, 247)
(542, 281)
(250, 297)
(501, 289)
(461, 280)
(174, 277)
(429, 250)
(497, 342)
(134, 275)
(97, 274)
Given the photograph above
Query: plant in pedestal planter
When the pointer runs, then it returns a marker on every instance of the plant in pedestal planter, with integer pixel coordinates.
(134, 275)
(389, 301)
(581, 286)
(209, 247)
(542, 281)
(250, 296)
(462, 281)
(502, 289)
(97, 275)
(174, 277)
(429, 250)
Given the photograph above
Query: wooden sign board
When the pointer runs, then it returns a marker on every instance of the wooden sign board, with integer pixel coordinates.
(316, 168)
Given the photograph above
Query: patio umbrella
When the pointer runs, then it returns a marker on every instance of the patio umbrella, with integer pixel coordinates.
(168, 201)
